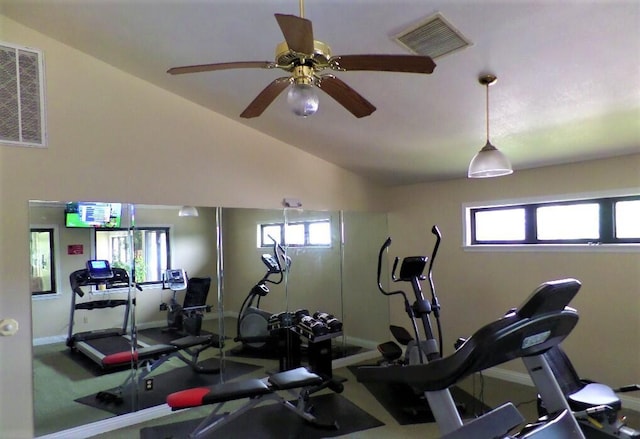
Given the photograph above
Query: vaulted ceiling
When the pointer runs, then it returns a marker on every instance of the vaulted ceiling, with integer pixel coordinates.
(568, 72)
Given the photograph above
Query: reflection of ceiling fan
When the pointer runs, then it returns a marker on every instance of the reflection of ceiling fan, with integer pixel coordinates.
(305, 58)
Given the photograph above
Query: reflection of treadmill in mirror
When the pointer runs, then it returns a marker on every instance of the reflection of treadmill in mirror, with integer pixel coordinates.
(96, 344)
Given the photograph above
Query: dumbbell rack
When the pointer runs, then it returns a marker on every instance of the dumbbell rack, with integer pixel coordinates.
(320, 354)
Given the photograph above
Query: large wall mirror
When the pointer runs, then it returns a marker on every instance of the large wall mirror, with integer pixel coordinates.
(328, 266)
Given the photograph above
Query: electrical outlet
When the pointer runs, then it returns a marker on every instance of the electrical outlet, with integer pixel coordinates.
(148, 384)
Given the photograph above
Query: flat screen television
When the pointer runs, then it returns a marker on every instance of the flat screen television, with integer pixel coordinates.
(93, 214)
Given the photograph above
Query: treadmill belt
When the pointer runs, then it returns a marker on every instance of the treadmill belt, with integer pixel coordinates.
(110, 345)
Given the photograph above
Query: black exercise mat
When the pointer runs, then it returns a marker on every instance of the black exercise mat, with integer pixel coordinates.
(275, 421)
(408, 408)
(169, 382)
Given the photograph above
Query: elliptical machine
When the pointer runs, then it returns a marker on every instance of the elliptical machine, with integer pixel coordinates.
(253, 322)
(411, 271)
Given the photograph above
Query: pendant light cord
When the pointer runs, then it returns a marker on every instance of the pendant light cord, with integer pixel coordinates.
(487, 113)
(301, 8)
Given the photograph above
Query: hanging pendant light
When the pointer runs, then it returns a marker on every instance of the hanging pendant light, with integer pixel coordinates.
(188, 211)
(489, 161)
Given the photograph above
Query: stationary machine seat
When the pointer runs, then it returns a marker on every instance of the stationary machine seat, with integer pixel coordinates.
(580, 394)
(594, 394)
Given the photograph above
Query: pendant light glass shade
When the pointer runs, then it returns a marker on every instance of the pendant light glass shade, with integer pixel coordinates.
(489, 161)
(188, 211)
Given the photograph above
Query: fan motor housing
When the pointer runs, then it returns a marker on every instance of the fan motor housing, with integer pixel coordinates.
(286, 57)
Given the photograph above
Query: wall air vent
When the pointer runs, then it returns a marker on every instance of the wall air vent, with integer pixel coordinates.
(434, 37)
(22, 121)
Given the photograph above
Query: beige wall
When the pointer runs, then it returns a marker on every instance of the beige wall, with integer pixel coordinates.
(477, 287)
(114, 137)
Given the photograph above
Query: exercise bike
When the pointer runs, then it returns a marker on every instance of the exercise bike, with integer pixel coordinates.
(596, 406)
(253, 323)
(185, 319)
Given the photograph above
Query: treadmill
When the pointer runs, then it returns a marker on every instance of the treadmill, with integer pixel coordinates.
(97, 344)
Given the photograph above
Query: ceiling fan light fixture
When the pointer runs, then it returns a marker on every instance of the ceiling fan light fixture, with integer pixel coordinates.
(489, 161)
(302, 99)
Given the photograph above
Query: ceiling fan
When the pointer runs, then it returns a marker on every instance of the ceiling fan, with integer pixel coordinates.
(306, 59)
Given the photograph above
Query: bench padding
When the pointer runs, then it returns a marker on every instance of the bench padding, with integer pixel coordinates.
(250, 388)
(291, 379)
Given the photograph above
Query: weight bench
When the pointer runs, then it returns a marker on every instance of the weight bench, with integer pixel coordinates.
(149, 358)
(257, 390)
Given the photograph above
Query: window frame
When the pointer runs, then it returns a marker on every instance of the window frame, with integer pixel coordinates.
(53, 246)
(165, 228)
(263, 244)
(606, 219)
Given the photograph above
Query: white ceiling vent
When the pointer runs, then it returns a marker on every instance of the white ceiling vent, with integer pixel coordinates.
(22, 121)
(432, 37)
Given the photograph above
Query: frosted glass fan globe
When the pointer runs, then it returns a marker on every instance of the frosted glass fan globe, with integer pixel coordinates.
(302, 99)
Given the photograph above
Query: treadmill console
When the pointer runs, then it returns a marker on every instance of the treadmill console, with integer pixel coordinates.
(99, 269)
(176, 279)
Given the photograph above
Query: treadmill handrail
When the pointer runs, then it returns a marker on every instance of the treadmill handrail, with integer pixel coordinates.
(81, 278)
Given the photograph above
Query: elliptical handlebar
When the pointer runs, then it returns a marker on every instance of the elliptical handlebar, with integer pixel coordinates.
(384, 247)
(435, 304)
(280, 258)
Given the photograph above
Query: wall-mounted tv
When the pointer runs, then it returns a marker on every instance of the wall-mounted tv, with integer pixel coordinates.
(93, 214)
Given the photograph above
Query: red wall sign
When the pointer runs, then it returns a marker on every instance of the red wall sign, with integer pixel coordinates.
(75, 249)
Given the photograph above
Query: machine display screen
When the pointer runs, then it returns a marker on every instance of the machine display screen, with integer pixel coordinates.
(99, 269)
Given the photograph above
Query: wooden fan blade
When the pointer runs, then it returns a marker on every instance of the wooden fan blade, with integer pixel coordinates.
(220, 66)
(297, 31)
(346, 96)
(384, 63)
(266, 96)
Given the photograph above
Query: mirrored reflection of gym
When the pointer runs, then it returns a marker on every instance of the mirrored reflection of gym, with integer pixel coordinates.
(133, 303)
(204, 317)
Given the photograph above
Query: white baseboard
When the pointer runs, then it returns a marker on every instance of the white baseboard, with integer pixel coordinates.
(41, 341)
(366, 344)
(111, 424)
(354, 359)
(49, 340)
